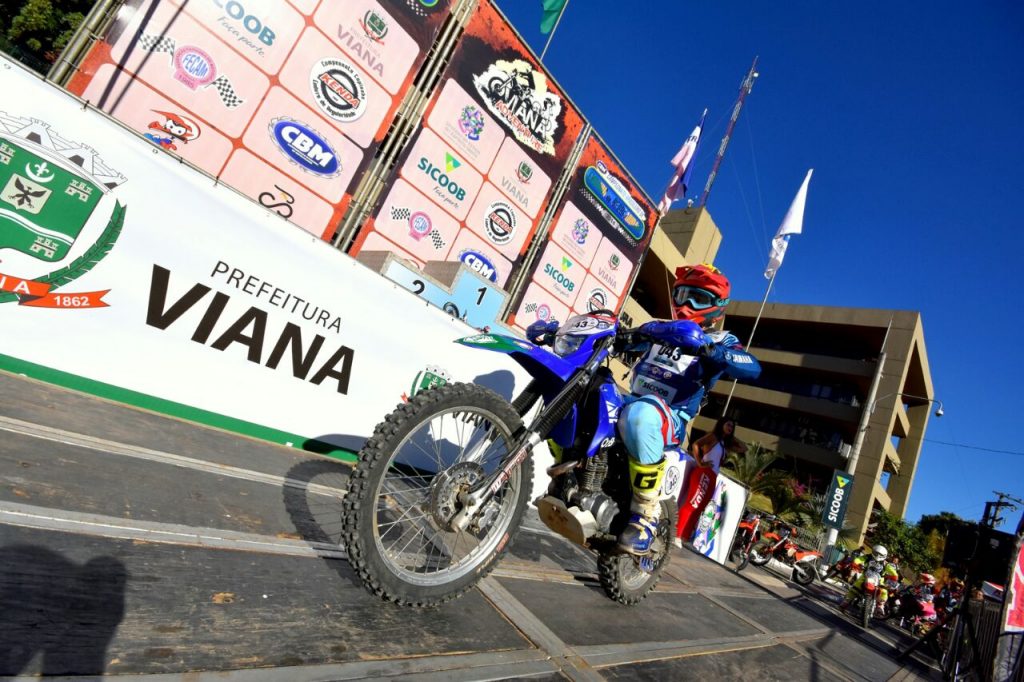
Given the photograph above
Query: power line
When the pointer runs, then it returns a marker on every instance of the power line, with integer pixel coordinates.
(976, 447)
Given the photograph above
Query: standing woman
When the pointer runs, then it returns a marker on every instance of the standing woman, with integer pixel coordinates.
(709, 451)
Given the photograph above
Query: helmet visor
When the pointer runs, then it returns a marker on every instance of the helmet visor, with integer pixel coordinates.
(698, 299)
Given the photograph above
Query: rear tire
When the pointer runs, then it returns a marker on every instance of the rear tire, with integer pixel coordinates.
(803, 573)
(407, 482)
(622, 579)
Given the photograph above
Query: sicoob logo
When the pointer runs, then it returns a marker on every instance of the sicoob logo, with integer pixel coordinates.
(563, 280)
(441, 177)
(500, 222)
(338, 90)
(250, 22)
(305, 147)
(56, 222)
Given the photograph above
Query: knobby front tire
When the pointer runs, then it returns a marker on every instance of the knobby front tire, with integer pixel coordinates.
(405, 488)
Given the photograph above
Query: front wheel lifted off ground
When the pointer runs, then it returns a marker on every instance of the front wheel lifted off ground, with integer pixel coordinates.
(621, 577)
(409, 486)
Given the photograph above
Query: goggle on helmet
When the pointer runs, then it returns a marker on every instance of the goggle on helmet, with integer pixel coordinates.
(700, 293)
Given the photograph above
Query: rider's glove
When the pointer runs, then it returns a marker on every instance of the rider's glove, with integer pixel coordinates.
(542, 332)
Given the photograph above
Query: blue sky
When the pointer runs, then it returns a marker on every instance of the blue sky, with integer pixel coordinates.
(910, 114)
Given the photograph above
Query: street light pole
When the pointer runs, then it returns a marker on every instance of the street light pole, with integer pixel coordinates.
(862, 428)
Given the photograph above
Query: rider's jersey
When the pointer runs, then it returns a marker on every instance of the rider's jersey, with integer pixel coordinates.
(681, 380)
(886, 570)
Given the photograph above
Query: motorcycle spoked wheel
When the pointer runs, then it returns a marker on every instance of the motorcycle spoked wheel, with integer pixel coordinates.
(867, 610)
(739, 553)
(622, 579)
(404, 492)
(760, 553)
(804, 572)
(742, 559)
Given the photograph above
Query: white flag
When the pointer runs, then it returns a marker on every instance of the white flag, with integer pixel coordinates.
(793, 223)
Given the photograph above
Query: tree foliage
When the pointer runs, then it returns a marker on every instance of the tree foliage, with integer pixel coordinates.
(942, 522)
(750, 469)
(38, 30)
(907, 541)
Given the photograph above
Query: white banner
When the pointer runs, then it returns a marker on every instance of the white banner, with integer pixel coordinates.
(717, 525)
(120, 265)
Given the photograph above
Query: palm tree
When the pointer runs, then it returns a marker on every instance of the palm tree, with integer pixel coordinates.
(749, 469)
(811, 519)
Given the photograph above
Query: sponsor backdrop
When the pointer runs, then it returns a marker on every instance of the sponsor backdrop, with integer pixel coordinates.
(193, 304)
(602, 227)
(285, 101)
(474, 182)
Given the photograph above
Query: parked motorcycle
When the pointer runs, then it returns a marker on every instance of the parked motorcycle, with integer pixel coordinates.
(748, 534)
(780, 546)
(914, 609)
(440, 488)
(846, 569)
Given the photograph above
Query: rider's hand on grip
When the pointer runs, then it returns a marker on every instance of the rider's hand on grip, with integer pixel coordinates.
(542, 332)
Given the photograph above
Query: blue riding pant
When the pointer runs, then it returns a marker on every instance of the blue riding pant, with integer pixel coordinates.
(648, 426)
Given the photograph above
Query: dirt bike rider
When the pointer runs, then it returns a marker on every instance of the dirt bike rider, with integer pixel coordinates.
(679, 364)
(878, 557)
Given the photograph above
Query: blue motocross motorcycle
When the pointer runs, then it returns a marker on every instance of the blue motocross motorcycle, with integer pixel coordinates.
(440, 488)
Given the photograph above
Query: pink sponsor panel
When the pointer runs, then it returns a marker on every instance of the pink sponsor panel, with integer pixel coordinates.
(376, 242)
(594, 296)
(277, 192)
(324, 78)
(575, 233)
(415, 223)
(538, 304)
(291, 137)
(519, 177)
(307, 7)
(164, 123)
(262, 31)
(467, 127)
(499, 222)
(612, 267)
(187, 64)
(560, 274)
(469, 244)
(372, 37)
(435, 169)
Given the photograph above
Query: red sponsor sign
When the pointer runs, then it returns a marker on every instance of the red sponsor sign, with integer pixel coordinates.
(495, 137)
(1015, 596)
(604, 224)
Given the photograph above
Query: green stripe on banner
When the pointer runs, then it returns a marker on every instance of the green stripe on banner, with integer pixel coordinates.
(169, 407)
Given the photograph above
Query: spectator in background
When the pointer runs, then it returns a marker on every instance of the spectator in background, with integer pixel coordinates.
(710, 449)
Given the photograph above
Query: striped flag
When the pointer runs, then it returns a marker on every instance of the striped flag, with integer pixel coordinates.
(683, 163)
(792, 224)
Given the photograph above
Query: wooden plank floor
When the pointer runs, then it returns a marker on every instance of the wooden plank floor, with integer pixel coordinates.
(133, 543)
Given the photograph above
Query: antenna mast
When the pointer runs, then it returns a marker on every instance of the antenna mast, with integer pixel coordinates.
(745, 87)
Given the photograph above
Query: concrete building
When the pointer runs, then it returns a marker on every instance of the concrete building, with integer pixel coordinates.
(818, 364)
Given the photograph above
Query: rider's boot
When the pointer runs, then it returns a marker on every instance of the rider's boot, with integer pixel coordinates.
(637, 536)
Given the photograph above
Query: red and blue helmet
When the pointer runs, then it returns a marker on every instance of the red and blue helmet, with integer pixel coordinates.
(700, 293)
